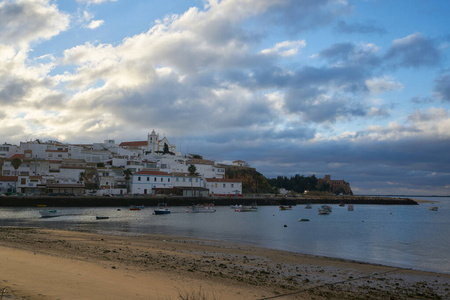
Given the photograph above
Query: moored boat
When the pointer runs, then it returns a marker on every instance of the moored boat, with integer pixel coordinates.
(162, 209)
(285, 207)
(135, 207)
(49, 213)
(434, 208)
(350, 207)
(324, 210)
(202, 208)
(245, 208)
(101, 218)
(308, 206)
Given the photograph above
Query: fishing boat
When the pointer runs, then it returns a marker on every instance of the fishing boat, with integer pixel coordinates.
(162, 209)
(342, 204)
(49, 213)
(434, 208)
(285, 207)
(303, 220)
(101, 218)
(202, 208)
(350, 207)
(324, 210)
(308, 206)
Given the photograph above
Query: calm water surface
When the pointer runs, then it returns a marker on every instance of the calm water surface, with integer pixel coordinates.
(409, 236)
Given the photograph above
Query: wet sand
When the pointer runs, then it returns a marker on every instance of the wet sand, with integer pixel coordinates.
(54, 264)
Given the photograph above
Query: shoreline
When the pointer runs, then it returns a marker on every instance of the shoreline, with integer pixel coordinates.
(175, 266)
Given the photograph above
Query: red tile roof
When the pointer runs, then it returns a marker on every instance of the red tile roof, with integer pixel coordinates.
(134, 144)
(8, 178)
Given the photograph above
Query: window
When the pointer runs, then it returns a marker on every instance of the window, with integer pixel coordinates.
(162, 179)
(168, 179)
(148, 178)
(232, 185)
(154, 179)
(177, 179)
(196, 179)
(224, 185)
(23, 181)
(184, 179)
(190, 179)
(139, 178)
(215, 185)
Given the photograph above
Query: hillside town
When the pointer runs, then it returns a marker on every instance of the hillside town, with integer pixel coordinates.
(149, 167)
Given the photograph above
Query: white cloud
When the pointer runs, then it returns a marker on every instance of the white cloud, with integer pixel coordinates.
(95, 24)
(383, 84)
(286, 48)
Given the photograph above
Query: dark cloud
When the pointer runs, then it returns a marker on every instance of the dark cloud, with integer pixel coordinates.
(12, 91)
(350, 54)
(413, 51)
(442, 87)
(361, 28)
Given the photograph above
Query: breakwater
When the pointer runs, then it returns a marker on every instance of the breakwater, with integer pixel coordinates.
(121, 201)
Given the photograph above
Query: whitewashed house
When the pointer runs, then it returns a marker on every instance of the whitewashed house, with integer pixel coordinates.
(7, 184)
(144, 182)
(206, 168)
(223, 187)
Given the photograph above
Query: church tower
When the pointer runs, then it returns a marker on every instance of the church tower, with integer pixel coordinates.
(153, 139)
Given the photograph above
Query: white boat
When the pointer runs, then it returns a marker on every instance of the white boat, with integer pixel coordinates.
(324, 210)
(162, 209)
(49, 213)
(202, 208)
(350, 207)
(308, 206)
(245, 208)
(434, 208)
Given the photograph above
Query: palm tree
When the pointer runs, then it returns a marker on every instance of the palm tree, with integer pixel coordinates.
(127, 173)
(16, 162)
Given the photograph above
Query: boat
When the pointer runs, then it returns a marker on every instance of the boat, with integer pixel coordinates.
(285, 207)
(135, 207)
(101, 218)
(202, 208)
(162, 209)
(324, 210)
(434, 208)
(308, 206)
(235, 206)
(49, 213)
(350, 207)
(303, 220)
(245, 208)
(342, 204)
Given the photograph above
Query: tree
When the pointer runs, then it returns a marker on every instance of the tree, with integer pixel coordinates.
(16, 162)
(127, 173)
(81, 177)
(166, 148)
(192, 170)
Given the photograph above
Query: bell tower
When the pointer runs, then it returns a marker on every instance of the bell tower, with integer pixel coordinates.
(152, 142)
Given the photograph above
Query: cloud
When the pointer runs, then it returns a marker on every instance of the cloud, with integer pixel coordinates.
(95, 24)
(361, 28)
(43, 21)
(89, 2)
(442, 87)
(363, 54)
(413, 51)
(286, 48)
(383, 84)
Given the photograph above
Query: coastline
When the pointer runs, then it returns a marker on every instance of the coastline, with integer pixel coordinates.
(99, 266)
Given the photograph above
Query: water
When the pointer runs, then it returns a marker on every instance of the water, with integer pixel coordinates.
(409, 236)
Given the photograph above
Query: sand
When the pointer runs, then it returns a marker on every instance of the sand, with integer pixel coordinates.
(54, 264)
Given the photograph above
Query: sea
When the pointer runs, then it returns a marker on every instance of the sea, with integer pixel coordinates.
(406, 236)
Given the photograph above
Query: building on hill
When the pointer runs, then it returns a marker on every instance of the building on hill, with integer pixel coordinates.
(144, 182)
(334, 186)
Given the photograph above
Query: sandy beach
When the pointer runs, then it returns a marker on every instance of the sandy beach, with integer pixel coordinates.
(54, 264)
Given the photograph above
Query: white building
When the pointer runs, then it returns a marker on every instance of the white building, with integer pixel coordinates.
(144, 182)
(186, 180)
(223, 187)
(207, 168)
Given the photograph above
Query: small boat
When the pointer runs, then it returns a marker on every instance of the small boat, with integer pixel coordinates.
(308, 206)
(49, 213)
(162, 209)
(202, 208)
(285, 207)
(135, 207)
(235, 206)
(350, 207)
(303, 220)
(101, 218)
(434, 208)
(324, 210)
(245, 208)
(342, 204)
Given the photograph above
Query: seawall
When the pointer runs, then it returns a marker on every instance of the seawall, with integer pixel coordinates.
(94, 201)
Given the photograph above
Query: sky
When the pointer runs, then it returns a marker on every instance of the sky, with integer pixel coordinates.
(359, 90)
